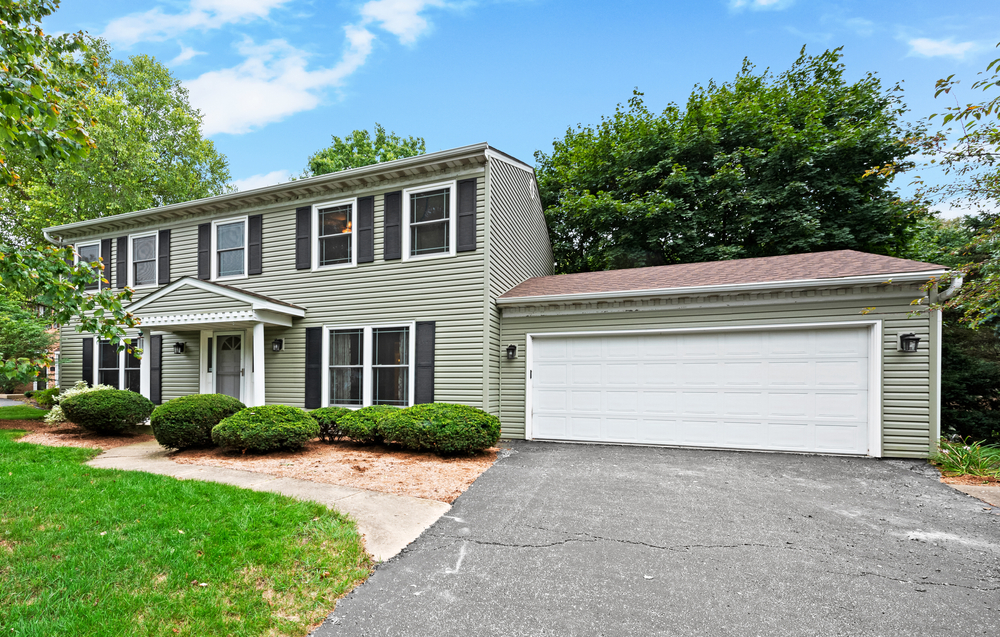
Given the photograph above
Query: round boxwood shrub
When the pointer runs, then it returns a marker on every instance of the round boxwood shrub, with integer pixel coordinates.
(188, 421)
(45, 397)
(442, 427)
(363, 425)
(107, 410)
(328, 419)
(266, 429)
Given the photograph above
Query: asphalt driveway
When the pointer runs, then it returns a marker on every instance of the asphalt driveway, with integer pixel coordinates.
(560, 539)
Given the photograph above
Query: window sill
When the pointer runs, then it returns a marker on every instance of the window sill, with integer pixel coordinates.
(434, 255)
(235, 277)
(336, 266)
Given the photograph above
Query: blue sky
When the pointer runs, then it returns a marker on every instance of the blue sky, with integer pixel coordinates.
(275, 79)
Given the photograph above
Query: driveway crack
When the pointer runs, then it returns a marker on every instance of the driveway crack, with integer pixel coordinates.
(914, 582)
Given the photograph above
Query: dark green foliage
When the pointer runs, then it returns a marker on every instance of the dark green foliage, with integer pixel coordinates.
(328, 419)
(188, 421)
(29, 393)
(360, 148)
(362, 426)
(45, 397)
(266, 429)
(23, 335)
(107, 410)
(970, 383)
(765, 165)
(443, 427)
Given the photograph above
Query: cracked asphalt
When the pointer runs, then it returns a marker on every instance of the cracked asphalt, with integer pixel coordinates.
(561, 539)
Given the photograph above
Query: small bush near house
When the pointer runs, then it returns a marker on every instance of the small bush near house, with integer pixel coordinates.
(56, 415)
(964, 457)
(442, 427)
(363, 425)
(266, 429)
(328, 419)
(45, 397)
(107, 410)
(188, 421)
(29, 393)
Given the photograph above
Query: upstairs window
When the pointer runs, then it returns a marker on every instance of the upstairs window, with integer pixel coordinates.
(336, 225)
(143, 258)
(90, 253)
(229, 246)
(429, 220)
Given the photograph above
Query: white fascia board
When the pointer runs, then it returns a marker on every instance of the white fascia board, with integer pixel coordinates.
(256, 303)
(905, 277)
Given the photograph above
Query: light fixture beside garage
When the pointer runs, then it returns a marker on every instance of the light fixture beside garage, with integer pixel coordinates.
(178, 348)
(511, 352)
(908, 342)
(277, 345)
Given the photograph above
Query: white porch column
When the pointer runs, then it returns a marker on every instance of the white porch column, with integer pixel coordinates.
(144, 364)
(258, 365)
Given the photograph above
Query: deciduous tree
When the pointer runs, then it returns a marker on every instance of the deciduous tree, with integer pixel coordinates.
(360, 148)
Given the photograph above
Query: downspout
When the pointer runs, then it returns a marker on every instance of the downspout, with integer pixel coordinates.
(55, 242)
(952, 290)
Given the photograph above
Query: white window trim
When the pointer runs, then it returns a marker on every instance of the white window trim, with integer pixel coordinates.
(214, 255)
(156, 260)
(452, 220)
(121, 361)
(314, 234)
(366, 362)
(76, 261)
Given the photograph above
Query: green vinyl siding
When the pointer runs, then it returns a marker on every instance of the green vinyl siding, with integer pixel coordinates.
(909, 417)
(179, 373)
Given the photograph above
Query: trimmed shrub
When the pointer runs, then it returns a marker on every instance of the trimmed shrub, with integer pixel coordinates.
(328, 418)
(266, 429)
(29, 393)
(442, 427)
(363, 425)
(45, 397)
(56, 415)
(188, 421)
(107, 410)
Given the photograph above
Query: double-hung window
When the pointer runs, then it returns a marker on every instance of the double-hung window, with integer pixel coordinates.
(90, 253)
(229, 241)
(333, 227)
(143, 257)
(370, 366)
(429, 216)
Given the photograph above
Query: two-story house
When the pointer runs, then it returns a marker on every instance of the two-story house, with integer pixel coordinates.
(429, 279)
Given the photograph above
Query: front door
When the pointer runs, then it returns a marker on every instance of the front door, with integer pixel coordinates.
(229, 365)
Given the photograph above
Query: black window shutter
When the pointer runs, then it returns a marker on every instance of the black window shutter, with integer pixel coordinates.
(121, 259)
(163, 258)
(366, 229)
(392, 209)
(88, 359)
(155, 369)
(209, 370)
(303, 238)
(466, 215)
(204, 247)
(314, 364)
(424, 380)
(255, 236)
(106, 262)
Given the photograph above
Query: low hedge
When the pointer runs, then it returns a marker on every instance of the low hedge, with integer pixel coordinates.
(188, 421)
(45, 397)
(328, 419)
(107, 410)
(362, 426)
(442, 427)
(266, 429)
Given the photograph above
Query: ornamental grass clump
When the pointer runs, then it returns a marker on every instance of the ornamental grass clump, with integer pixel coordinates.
(329, 419)
(964, 457)
(188, 421)
(363, 426)
(266, 428)
(442, 427)
(107, 410)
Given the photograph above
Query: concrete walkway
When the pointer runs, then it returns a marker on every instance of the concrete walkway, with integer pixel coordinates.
(388, 522)
(987, 493)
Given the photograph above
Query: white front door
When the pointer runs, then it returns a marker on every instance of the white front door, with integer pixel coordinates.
(790, 390)
(229, 368)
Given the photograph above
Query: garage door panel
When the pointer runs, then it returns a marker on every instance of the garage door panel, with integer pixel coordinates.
(784, 390)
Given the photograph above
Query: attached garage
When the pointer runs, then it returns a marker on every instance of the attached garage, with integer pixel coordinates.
(797, 353)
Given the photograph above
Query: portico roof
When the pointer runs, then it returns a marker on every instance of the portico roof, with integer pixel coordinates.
(193, 303)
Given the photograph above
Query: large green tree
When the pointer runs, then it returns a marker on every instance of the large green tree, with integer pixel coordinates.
(764, 165)
(149, 152)
(361, 148)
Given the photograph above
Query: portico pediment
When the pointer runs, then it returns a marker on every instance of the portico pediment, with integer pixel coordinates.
(192, 302)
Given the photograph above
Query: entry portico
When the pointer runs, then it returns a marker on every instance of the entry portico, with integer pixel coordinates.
(231, 324)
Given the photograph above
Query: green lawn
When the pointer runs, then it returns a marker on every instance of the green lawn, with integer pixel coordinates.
(22, 412)
(87, 551)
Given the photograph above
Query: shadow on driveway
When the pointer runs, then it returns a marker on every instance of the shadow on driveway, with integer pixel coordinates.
(560, 539)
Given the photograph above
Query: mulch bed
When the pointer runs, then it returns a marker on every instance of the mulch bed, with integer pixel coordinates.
(975, 481)
(69, 435)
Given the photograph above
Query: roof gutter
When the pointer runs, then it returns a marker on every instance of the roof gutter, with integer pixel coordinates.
(876, 279)
(53, 241)
(956, 283)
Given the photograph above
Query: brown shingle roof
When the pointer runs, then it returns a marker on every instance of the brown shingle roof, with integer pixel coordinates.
(814, 265)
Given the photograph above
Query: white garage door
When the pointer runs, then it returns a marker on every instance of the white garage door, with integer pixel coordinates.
(793, 390)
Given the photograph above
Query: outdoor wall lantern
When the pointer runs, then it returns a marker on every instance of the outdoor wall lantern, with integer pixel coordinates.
(511, 352)
(908, 342)
(178, 348)
(277, 345)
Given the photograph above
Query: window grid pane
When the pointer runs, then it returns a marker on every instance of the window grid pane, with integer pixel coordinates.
(335, 228)
(390, 366)
(230, 235)
(90, 254)
(230, 262)
(429, 216)
(229, 245)
(107, 364)
(346, 367)
(144, 261)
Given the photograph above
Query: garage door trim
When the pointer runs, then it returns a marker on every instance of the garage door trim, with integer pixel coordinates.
(874, 363)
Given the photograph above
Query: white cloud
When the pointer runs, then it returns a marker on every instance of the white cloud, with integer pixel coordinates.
(935, 48)
(155, 25)
(272, 83)
(860, 26)
(259, 181)
(399, 17)
(759, 5)
(186, 54)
